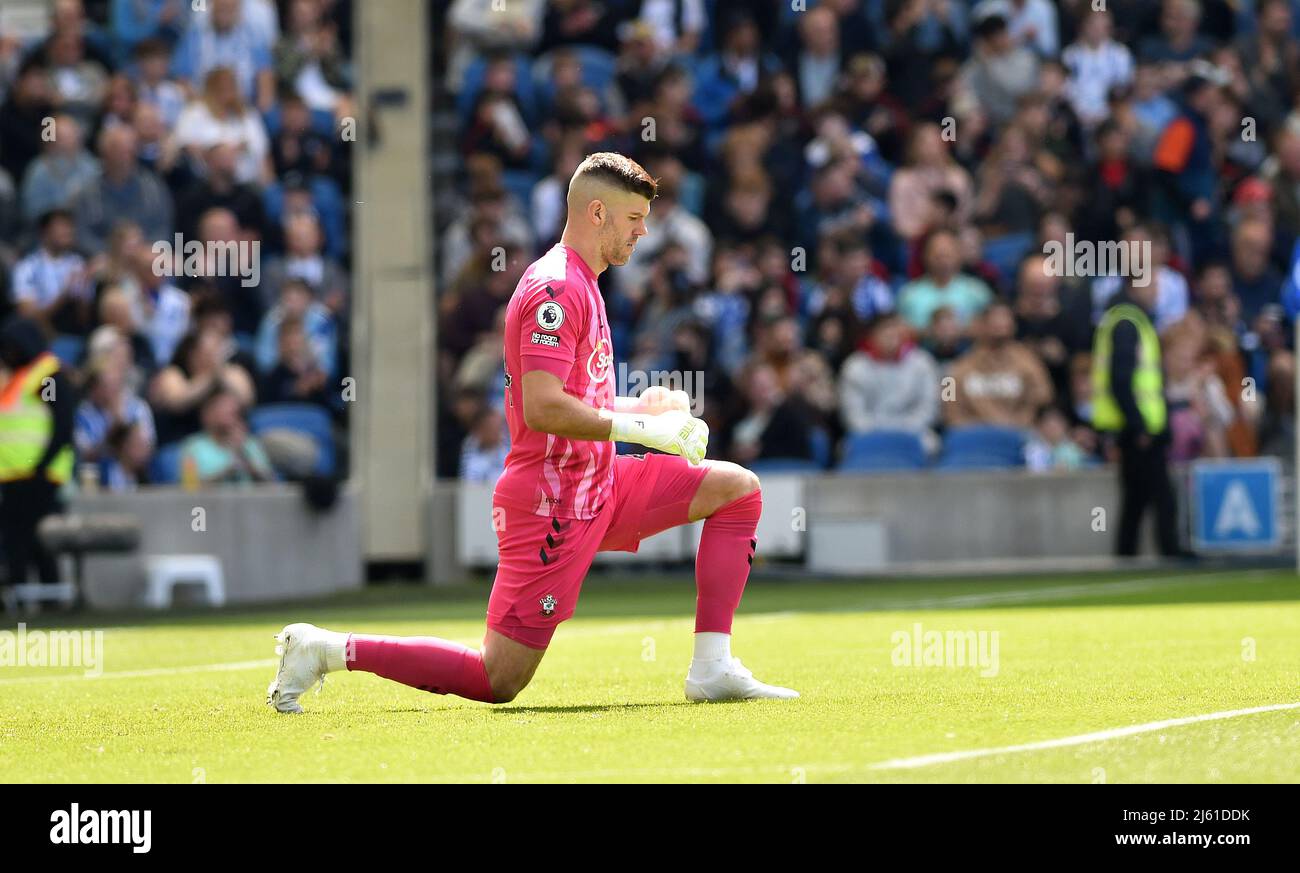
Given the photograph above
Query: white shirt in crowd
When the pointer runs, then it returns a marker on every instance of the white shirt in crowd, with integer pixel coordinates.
(41, 277)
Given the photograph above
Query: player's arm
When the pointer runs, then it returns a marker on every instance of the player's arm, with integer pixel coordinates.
(548, 409)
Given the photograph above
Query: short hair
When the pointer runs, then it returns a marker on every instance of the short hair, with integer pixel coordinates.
(619, 171)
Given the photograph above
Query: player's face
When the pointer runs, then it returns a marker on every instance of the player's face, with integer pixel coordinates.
(624, 225)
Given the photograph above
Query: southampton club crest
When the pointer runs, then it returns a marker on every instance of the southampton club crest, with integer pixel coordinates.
(548, 605)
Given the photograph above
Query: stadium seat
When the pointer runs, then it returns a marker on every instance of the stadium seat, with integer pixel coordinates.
(821, 446)
(304, 418)
(68, 349)
(880, 451)
(165, 468)
(1005, 252)
(982, 447)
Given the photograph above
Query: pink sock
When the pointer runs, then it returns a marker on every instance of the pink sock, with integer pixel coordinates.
(426, 663)
(723, 560)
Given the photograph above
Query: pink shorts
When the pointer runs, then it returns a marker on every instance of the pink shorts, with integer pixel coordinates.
(542, 560)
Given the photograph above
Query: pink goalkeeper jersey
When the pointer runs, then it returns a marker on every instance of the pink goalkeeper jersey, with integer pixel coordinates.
(556, 322)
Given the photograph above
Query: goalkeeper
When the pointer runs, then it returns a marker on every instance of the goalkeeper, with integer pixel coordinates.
(566, 494)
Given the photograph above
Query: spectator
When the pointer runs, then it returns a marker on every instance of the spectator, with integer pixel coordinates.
(221, 116)
(483, 454)
(999, 381)
(303, 259)
(227, 39)
(1255, 281)
(999, 72)
(313, 320)
(123, 190)
(51, 284)
(161, 309)
(1033, 23)
(220, 189)
(108, 402)
(890, 383)
(145, 26)
(1044, 326)
(299, 148)
(126, 461)
(224, 452)
(296, 375)
(61, 171)
(1051, 448)
(1096, 63)
(942, 285)
(945, 338)
(817, 62)
(79, 81)
(776, 427)
(930, 170)
(119, 334)
(309, 63)
(1199, 410)
(1178, 40)
(22, 118)
(197, 368)
(154, 86)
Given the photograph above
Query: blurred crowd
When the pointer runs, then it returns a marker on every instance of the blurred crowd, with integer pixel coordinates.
(855, 201)
(125, 123)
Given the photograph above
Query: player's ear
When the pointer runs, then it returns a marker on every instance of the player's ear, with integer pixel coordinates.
(596, 212)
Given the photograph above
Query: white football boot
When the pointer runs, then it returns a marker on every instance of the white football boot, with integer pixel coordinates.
(302, 664)
(728, 679)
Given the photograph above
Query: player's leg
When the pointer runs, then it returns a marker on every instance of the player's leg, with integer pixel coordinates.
(541, 564)
(659, 492)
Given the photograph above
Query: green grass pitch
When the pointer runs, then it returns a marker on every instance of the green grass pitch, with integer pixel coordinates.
(182, 696)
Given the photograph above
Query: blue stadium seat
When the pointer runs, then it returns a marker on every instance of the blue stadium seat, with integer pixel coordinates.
(305, 418)
(68, 349)
(821, 446)
(165, 468)
(880, 451)
(1005, 253)
(982, 447)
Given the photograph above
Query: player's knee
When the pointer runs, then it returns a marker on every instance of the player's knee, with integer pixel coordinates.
(506, 688)
(741, 483)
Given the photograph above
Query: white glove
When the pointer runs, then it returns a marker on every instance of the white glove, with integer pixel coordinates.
(674, 432)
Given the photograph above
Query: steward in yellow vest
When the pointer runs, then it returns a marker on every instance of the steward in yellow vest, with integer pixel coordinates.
(1128, 400)
(37, 406)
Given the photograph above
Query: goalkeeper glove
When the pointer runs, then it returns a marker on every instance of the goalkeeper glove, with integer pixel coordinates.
(674, 432)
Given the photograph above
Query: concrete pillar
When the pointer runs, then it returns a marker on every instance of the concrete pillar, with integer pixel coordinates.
(393, 315)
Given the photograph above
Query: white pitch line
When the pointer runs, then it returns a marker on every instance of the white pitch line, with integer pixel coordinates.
(1080, 740)
(155, 671)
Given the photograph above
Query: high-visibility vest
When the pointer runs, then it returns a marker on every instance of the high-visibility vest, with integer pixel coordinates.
(27, 424)
(1148, 381)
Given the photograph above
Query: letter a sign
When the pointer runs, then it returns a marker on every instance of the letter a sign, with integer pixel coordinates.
(1234, 505)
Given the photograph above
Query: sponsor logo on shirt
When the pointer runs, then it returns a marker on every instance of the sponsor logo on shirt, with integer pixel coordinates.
(546, 339)
(598, 363)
